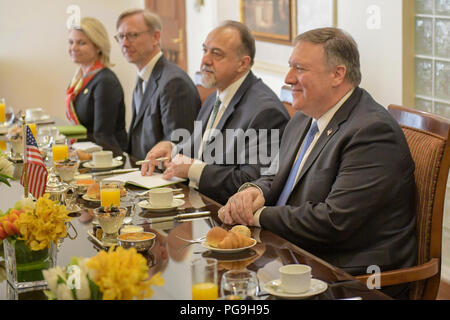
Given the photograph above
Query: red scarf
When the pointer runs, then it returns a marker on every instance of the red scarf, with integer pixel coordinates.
(79, 81)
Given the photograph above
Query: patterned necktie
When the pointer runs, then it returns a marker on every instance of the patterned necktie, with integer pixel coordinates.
(138, 95)
(293, 174)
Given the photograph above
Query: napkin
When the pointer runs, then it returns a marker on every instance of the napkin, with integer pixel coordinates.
(72, 130)
(86, 146)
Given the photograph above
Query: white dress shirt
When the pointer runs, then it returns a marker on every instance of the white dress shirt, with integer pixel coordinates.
(146, 71)
(322, 123)
(196, 169)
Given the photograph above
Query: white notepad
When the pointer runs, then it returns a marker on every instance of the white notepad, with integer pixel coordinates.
(154, 181)
(86, 146)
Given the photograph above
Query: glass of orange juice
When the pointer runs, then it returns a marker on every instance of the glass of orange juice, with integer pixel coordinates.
(110, 193)
(60, 152)
(204, 279)
(2, 111)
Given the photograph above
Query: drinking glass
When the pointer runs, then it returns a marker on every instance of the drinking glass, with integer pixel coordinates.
(242, 283)
(110, 193)
(60, 152)
(2, 111)
(204, 279)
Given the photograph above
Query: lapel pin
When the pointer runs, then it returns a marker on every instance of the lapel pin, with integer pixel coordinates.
(86, 91)
(329, 132)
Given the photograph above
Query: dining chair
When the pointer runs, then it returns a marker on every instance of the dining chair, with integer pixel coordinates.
(428, 139)
(286, 98)
(202, 91)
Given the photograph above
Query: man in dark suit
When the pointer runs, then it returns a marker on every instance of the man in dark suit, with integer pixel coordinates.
(165, 98)
(345, 188)
(242, 106)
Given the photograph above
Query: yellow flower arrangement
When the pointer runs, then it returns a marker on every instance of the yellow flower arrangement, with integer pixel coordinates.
(44, 224)
(122, 274)
(119, 274)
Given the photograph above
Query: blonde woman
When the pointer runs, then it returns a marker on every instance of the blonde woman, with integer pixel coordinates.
(95, 96)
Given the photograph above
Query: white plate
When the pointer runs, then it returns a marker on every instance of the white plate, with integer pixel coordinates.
(115, 163)
(87, 198)
(146, 205)
(100, 242)
(42, 118)
(207, 246)
(274, 288)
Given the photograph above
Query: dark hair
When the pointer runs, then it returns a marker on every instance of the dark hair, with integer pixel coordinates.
(339, 47)
(247, 46)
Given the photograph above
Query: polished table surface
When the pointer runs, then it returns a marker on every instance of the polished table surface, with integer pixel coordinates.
(172, 256)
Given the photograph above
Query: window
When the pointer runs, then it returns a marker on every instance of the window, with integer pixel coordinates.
(432, 56)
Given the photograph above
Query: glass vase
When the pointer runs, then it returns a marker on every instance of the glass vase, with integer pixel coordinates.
(24, 266)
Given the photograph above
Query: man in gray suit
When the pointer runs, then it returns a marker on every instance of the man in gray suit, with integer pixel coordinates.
(165, 98)
(345, 188)
(215, 161)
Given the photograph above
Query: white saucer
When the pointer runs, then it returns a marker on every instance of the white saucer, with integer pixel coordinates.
(114, 164)
(175, 204)
(42, 118)
(207, 246)
(87, 198)
(274, 288)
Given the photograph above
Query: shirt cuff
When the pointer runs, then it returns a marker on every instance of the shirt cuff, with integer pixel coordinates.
(195, 173)
(256, 216)
(248, 185)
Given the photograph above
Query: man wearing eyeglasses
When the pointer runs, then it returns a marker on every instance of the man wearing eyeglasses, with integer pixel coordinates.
(165, 98)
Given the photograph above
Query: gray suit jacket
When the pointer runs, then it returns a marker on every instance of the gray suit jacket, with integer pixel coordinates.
(254, 106)
(353, 204)
(170, 101)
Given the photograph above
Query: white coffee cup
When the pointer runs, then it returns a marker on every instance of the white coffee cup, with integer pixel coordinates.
(34, 114)
(102, 158)
(295, 278)
(160, 197)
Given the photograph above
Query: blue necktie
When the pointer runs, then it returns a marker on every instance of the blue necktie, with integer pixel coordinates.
(293, 174)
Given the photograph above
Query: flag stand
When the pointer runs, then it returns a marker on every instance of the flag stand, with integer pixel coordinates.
(24, 138)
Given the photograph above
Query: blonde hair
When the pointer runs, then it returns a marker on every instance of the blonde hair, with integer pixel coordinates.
(97, 33)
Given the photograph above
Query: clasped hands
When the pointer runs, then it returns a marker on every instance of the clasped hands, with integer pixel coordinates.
(176, 167)
(241, 207)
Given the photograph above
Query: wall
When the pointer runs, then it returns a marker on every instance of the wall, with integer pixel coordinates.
(380, 47)
(35, 68)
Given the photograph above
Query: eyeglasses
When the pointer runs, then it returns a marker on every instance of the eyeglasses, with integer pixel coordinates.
(130, 36)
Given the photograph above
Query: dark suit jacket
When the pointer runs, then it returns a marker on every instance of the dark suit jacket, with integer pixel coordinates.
(170, 102)
(100, 108)
(353, 204)
(254, 106)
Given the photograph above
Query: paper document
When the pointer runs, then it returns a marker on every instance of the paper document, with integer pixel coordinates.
(154, 181)
(86, 146)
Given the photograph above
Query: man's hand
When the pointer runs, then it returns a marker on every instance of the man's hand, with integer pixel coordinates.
(161, 149)
(179, 167)
(241, 206)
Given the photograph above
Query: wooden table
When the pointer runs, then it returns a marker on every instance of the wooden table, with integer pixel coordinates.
(171, 256)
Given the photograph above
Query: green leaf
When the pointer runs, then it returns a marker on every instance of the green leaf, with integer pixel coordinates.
(60, 280)
(95, 290)
(50, 295)
(4, 179)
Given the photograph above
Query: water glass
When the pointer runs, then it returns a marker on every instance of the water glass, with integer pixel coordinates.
(242, 283)
(204, 279)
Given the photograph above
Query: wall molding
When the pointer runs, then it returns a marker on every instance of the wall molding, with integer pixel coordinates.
(273, 68)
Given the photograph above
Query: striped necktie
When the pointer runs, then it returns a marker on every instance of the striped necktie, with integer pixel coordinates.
(293, 174)
(214, 112)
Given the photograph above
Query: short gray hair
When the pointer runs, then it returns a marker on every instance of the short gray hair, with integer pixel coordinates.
(339, 48)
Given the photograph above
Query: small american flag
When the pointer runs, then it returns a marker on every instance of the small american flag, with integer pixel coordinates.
(36, 171)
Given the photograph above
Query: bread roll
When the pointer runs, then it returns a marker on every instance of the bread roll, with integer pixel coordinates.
(93, 191)
(215, 235)
(234, 240)
(242, 230)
